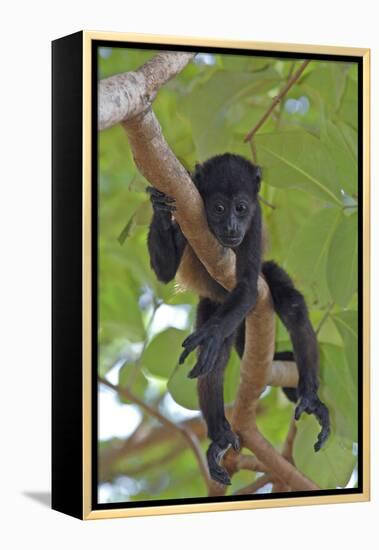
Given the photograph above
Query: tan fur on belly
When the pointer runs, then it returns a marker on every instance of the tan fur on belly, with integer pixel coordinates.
(192, 275)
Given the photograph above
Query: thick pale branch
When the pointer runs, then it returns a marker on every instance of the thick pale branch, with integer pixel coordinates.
(126, 95)
(156, 161)
(284, 374)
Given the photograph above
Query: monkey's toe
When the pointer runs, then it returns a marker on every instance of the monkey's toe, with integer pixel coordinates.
(220, 475)
(311, 404)
(214, 457)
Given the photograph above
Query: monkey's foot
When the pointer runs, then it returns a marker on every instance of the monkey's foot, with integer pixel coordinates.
(211, 340)
(215, 453)
(160, 201)
(311, 404)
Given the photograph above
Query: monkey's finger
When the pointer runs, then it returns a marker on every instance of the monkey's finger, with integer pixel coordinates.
(162, 207)
(213, 354)
(185, 353)
(322, 416)
(193, 340)
(321, 438)
(153, 191)
(300, 409)
(236, 444)
(162, 200)
(220, 475)
(195, 372)
(157, 195)
(214, 457)
(205, 365)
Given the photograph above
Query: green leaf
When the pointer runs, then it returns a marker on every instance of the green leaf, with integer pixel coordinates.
(347, 325)
(328, 332)
(215, 106)
(339, 391)
(350, 136)
(332, 466)
(342, 262)
(298, 159)
(132, 378)
(274, 416)
(245, 63)
(162, 354)
(119, 310)
(127, 230)
(348, 111)
(345, 161)
(293, 208)
(329, 82)
(231, 377)
(183, 389)
(307, 258)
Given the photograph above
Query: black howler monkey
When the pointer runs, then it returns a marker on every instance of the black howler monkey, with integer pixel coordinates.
(229, 186)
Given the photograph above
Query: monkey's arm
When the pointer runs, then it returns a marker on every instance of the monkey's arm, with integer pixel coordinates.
(231, 313)
(165, 241)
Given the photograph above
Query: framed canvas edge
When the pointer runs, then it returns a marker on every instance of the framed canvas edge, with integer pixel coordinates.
(364, 496)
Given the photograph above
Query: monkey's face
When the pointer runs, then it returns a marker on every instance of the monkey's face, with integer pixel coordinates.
(229, 217)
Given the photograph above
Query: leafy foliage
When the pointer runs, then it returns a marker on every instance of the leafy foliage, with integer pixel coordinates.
(309, 160)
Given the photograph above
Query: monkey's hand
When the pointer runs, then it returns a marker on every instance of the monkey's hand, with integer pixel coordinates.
(311, 404)
(210, 339)
(215, 453)
(163, 205)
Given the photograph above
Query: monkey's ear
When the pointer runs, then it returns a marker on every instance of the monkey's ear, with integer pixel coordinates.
(196, 176)
(198, 168)
(258, 175)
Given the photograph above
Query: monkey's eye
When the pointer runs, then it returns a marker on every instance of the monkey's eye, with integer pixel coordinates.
(219, 208)
(241, 208)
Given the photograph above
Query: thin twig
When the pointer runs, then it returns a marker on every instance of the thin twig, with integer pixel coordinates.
(277, 100)
(266, 202)
(280, 113)
(278, 485)
(249, 462)
(190, 437)
(253, 151)
(255, 486)
(141, 468)
(287, 451)
(325, 317)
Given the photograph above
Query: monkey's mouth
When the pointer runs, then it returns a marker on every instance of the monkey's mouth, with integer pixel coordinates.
(230, 242)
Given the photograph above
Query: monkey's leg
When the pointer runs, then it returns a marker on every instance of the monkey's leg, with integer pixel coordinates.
(211, 399)
(290, 305)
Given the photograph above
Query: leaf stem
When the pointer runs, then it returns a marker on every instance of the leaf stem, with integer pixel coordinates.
(325, 317)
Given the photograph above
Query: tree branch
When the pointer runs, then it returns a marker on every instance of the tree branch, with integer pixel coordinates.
(125, 95)
(287, 452)
(260, 482)
(189, 436)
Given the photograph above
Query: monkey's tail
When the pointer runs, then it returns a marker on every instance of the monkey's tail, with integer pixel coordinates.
(290, 306)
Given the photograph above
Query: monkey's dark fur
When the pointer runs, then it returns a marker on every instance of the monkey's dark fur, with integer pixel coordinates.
(229, 185)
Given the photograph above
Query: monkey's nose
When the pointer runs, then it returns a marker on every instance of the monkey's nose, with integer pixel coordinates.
(232, 232)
